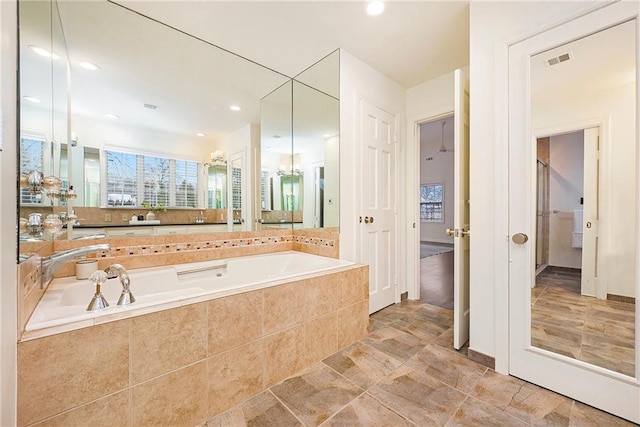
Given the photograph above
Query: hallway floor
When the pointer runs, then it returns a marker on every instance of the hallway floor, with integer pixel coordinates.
(436, 280)
(406, 373)
(596, 331)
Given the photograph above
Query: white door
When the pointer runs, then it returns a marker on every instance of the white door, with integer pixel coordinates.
(595, 385)
(461, 211)
(590, 215)
(378, 204)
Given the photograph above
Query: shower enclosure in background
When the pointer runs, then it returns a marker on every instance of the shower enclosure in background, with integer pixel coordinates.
(542, 213)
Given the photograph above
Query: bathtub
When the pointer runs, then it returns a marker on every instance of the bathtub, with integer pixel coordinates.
(63, 306)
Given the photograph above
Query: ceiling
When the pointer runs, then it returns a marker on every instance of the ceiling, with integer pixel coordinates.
(600, 61)
(193, 83)
(411, 42)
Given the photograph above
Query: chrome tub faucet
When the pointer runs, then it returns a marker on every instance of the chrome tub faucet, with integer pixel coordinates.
(117, 270)
(52, 263)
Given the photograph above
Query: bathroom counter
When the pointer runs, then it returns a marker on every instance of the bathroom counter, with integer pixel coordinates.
(125, 230)
(143, 223)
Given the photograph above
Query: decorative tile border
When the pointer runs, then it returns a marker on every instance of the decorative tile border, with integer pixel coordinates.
(314, 241)
(169, 248)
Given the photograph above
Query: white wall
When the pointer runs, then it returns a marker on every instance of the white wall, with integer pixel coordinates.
(493, 26)
(358, 80)
(99, 133)
(8, 238)
(437, 170)
(566, 185)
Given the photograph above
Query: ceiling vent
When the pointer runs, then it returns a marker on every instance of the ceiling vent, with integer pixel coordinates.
(150, 106)
(558, 59)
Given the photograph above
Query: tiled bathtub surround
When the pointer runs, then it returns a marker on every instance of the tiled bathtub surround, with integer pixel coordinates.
(184, 365)
(153, 251)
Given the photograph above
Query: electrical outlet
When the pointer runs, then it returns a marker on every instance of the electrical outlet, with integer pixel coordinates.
(125, 217)
(107, 217)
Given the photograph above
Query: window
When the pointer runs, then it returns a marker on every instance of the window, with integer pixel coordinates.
(236, 184)
(122, 179)
(431, 199)
(186, 184)
(157, 175)
(136, 178)
(31, 158)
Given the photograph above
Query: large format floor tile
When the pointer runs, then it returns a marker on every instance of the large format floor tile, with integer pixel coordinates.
(316, 393)
(600, 332)
(410, 376)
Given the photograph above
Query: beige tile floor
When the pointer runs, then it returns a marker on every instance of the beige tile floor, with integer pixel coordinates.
(406, 373)
(596, 331)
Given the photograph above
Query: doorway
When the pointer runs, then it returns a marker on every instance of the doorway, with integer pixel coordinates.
(437, 179)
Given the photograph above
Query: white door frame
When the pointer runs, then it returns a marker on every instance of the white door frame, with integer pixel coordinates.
(413, 258)
(603, 125)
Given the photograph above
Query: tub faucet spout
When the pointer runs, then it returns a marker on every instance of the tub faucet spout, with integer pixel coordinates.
(117, 270)
(50, 264)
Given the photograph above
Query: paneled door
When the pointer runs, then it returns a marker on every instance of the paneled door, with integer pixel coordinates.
(461, 231)
(560, 338)
(378, 203)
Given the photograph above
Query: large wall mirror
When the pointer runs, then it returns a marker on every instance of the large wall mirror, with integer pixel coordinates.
(44, 116)
(136, 117)
(583, 117)
(298, 150)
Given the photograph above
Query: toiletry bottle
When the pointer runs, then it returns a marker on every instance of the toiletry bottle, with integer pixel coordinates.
(134, 217)
(140, 217)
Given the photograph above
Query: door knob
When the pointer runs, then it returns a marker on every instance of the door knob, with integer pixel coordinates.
(452, 232)
(367, 220)
(520, 238)
(464, 232)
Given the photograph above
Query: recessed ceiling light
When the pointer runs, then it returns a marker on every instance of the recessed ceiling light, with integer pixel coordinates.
(201, 134)
(31, 99)
(43, 52)
(89, 66)
(112, 116)
(235, 108)
(375, 7)
(326, 135)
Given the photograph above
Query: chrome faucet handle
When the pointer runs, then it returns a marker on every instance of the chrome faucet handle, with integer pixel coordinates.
(98, 302)
(98, 277)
